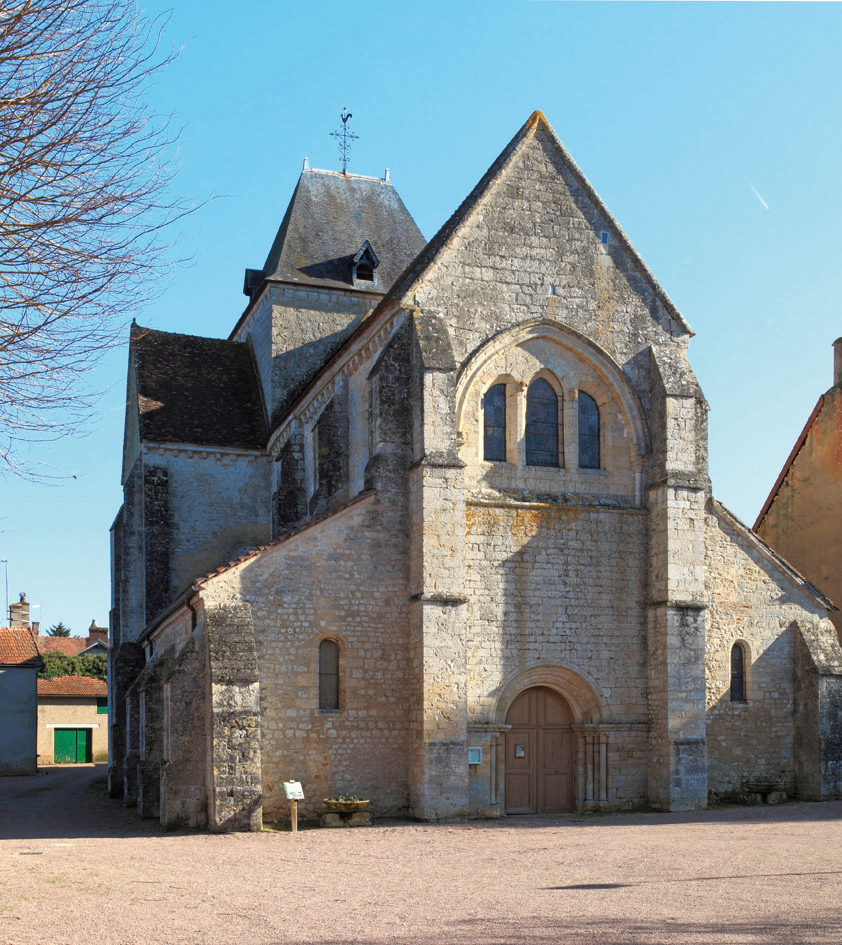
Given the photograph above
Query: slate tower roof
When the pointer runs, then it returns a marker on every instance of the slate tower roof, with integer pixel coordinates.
(327, 223)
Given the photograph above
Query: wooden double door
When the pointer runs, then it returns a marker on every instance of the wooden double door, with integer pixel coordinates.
(539, 754)
(71, 746)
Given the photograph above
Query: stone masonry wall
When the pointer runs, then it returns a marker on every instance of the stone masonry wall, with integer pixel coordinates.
(344, 579)
(184, 790)
(307, 326)
(752, 601)
(562, 585)
(234, 744)
(534, 249)
(219, 506)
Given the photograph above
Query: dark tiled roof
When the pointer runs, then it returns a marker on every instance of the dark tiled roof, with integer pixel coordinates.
(18, 648)
(328, 220)
(72, 686)
(202, 391)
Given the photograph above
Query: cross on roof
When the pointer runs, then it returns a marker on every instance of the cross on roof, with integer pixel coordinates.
(344, 138)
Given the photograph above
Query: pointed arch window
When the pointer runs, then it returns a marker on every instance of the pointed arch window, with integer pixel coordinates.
(588, 432)
(329, 675)
(494, 424)
(541, 424)
(738, 673)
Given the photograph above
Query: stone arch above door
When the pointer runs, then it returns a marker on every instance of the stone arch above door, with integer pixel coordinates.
(586, 701)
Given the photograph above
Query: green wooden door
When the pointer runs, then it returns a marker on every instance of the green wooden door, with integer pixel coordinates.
(64, 746)
(71, 746)
(83, 745)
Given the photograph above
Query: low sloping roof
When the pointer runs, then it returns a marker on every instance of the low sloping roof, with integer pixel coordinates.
(18, 648)
(329, 218)
(69, 646)
(72, 686)
(202, 391)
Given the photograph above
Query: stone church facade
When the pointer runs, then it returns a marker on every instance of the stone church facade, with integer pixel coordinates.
(434, 526)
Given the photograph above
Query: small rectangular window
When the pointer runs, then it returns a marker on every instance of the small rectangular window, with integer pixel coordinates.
(102, 705)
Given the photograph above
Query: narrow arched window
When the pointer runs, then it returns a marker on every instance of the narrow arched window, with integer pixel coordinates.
(494, 424)
(588, 432)
(328, 674)
(738, 673)
(541, 424)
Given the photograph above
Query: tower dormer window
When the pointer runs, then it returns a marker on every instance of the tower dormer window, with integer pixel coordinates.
(364, 265)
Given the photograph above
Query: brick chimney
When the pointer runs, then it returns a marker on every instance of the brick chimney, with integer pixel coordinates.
(19, 613)
(97, 634)
(837, 362)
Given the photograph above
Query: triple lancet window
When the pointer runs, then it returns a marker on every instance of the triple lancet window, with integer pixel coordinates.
(544, 434)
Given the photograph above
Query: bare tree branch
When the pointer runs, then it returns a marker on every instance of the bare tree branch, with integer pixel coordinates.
(85, 170)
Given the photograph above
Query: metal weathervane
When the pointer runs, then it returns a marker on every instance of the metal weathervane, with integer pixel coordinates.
(344, 138)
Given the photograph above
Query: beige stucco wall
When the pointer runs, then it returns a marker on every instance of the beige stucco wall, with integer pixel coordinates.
(802, 523)
(71, 712)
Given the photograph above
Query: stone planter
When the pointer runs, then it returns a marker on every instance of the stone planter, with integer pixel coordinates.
(345, 807)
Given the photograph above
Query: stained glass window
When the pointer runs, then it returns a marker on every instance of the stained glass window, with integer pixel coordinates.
(541, 425)
(588, 432)
(494, 424)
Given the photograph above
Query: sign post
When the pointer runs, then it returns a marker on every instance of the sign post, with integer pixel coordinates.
(294, 794)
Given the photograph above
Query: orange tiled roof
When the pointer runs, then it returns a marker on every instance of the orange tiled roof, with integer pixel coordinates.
(72, 686)
(69, 646)
(18, 648)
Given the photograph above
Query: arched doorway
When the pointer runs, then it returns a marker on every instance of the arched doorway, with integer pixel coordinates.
(539, 753)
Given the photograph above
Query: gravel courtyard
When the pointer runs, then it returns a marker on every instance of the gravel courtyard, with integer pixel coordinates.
(76, 867)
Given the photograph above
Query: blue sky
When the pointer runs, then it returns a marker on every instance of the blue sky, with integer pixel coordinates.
(712, 132)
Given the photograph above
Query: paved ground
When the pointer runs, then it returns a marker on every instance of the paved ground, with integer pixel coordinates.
(75, 867)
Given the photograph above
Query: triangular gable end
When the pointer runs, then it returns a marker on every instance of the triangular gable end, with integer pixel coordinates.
(799, 443)
(367, 254)
(404, 289)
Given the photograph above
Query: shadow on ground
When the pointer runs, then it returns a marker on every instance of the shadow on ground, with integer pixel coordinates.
(66, 802)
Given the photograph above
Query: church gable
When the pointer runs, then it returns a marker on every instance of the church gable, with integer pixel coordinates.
(534, 240)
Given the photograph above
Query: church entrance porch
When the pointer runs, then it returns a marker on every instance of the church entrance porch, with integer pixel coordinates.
(539, 775)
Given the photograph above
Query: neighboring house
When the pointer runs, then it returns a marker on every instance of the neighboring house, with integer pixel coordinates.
(95, 643)
(72, 720)
(802, 518)
(19, 665)
(479, 570)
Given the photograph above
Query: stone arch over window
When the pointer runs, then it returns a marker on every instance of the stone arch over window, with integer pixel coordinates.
(582, 694)
(329, 653)
(544, 423)
(478, 373)
(739, 671)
